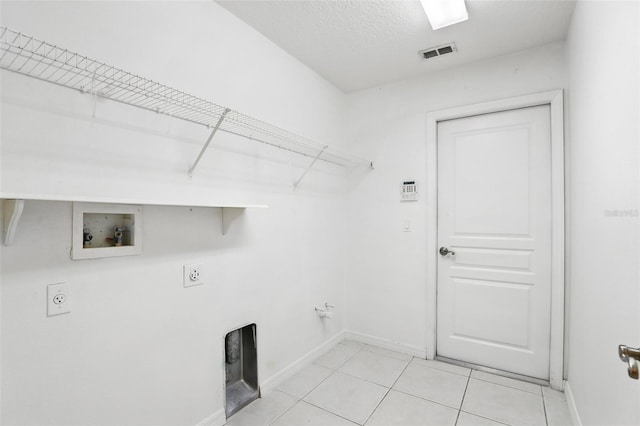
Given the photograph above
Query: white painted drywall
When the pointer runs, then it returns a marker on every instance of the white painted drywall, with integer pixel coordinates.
(603, 53)
(137, 347)
(386, 289)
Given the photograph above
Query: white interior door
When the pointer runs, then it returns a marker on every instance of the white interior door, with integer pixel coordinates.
(494, 214)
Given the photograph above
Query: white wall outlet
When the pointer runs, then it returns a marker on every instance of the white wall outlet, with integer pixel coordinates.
(58, 299)
(193, 275)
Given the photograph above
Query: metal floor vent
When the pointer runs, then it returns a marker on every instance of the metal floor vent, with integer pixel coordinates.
(433, 52)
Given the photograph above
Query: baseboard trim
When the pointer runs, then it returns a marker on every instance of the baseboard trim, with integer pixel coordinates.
(571, 403)
(302, 362)
(216, 419)
(387, 344)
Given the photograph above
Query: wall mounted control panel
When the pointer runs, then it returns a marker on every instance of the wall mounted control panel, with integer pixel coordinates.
(409, 191)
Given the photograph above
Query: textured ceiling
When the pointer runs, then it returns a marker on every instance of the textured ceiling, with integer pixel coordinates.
(357, 44)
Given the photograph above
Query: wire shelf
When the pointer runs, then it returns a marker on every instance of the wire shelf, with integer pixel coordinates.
(29, 56)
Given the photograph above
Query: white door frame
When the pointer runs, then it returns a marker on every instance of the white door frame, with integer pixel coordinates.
(554, 99)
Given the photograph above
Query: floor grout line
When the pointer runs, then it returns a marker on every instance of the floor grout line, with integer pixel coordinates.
(364, 380)
(316, 386)
(349, 357)
(507, 386)
(464, 394)
(407, 361)
(330, 412)
(544, 408)
(298, 400)
(388, 390)
(485, 417)
(511, 389)
(333, 372)
(284, 412)
(425, 399)
(311, 390)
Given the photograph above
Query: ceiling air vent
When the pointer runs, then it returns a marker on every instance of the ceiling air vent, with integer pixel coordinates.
(438, 51)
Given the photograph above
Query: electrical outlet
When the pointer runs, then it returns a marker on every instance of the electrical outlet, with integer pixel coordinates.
(58, 299)
(193, 275)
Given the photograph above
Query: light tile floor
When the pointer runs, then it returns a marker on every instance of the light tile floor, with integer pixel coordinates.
(357, 384)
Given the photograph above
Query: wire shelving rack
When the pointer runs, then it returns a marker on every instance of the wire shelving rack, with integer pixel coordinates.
(39, 59)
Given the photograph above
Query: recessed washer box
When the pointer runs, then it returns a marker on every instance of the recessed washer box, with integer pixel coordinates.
(106, 230)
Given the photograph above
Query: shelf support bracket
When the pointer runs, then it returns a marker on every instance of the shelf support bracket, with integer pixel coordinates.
(206, 144)
(229, 214)
(11, 217)
(295, 185)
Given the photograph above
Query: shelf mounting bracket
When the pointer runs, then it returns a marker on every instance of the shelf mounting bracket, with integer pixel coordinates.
(11, 214)
(206, 144)
(229, 214)
(295, 185)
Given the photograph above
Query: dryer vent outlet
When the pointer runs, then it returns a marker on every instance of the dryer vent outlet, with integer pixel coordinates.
(434, 52)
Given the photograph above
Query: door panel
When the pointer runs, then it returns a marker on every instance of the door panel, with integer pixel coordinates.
(492, 187)
(507, 326)
(494, 213)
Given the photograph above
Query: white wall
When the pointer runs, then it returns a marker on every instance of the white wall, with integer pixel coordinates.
(386, 289)
(138, 348)
(603, 50)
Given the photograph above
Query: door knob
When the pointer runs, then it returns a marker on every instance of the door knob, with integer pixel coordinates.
(630, 356)
(625, 352)
(445, 251)
(632, 368)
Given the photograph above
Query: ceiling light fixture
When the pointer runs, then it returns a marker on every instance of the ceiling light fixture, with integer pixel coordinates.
(442, 13)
